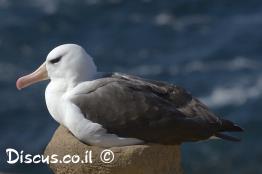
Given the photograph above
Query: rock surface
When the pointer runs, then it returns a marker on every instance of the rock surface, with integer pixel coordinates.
(137, 159)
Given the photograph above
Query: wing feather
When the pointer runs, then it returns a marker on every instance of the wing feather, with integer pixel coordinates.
(149, 110)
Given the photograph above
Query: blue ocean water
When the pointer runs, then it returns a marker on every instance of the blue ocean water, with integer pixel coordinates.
(212, 48)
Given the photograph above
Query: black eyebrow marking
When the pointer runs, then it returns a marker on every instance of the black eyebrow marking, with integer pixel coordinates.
(53, 61)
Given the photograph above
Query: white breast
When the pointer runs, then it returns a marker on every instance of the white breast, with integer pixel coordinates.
(54, 101)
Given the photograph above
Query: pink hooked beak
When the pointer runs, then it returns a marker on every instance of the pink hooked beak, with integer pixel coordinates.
(38, 75)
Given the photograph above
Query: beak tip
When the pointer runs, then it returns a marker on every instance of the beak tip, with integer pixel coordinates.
(18, 84)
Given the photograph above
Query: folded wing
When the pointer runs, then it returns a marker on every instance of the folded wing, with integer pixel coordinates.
(149, 110)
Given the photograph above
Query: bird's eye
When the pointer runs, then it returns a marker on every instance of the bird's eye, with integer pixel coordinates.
(53, 61)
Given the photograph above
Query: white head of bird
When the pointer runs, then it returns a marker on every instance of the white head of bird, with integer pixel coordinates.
(68, 64)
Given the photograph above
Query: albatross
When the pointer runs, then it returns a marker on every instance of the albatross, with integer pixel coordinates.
(116, 109)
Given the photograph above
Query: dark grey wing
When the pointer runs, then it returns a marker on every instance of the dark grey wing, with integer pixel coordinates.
(183, 100)
(152, 111)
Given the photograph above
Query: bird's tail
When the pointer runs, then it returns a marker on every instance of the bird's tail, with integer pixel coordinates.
(227, 137)
(228, 126)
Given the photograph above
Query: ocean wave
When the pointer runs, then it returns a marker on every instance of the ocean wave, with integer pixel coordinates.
(236, 64)
(180, 23)
(52, 6)
(234, 96)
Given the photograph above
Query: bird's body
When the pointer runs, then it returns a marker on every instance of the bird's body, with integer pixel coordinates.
(114, 109)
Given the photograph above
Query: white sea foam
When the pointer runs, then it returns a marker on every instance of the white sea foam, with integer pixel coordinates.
(164, 19)
(179, 23)
(235, 95)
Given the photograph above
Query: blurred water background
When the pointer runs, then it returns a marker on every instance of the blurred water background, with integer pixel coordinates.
(212, 48)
